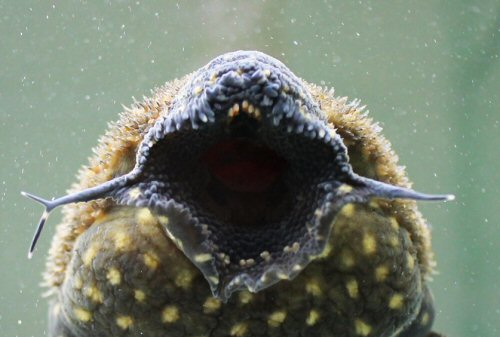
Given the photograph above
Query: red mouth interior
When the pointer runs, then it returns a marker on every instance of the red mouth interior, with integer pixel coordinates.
(244, 166)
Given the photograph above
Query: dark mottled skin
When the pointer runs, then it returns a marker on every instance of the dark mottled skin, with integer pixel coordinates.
(114, 271)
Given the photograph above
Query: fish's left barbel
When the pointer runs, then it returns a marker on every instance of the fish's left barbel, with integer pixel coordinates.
(97, 192)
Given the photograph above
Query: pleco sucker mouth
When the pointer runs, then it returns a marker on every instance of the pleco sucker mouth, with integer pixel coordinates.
(247, 171)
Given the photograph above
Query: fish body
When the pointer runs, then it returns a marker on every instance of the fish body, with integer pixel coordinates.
(241, 200)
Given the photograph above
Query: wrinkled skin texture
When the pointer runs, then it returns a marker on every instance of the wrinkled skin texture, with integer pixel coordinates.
(114, 270)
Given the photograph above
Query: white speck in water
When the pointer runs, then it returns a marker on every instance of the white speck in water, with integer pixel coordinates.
(19, 322)
(295, 43)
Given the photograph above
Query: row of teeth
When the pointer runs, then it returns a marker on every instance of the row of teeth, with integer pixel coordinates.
(265, 255)
(285, 108)
(309, 128)
(298, 122)
(244, 107)
(266, 279)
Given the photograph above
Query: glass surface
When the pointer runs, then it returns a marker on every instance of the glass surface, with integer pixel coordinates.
(428, 70)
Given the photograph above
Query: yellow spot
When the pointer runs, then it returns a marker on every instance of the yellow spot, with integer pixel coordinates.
(78, 282)
(124, 322)
(265, 255)
(347, 258)
(163, 220)
(425, 319)
(257, 113)
(393, 241)
(410, 261)
(213, 279)
(239, 329)
(82, 314)
(362, 328)
(197, 90)
(144, 217)
(381, 273)
(267, 72)
(122, 241)
(326, 251)
(231, 112)
(90, 254)
(282, 276)
(394, 223)
(211, 305)
(244, 105)
(344, 188)
(396, 302)
(317, 213)
(170, 314)
(276, 318)
(247, 263)
(373, 204)
(56, 309)
(369, 244)
(225, 258)
(177, 242)
(352, 288)
(134, 193)
(114, 277)
(94, 294)
(202, 258)
(213, 77)
(245, 297)
(236, 108)
(183, 279)
(206, 231)
(347, 210)
(312, 318)
(139, 295)
(151, 260)
(313, 287)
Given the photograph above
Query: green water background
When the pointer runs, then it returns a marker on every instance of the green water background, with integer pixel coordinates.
(428, 70)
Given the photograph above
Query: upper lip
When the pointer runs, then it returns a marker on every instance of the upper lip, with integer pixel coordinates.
(274, 93)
